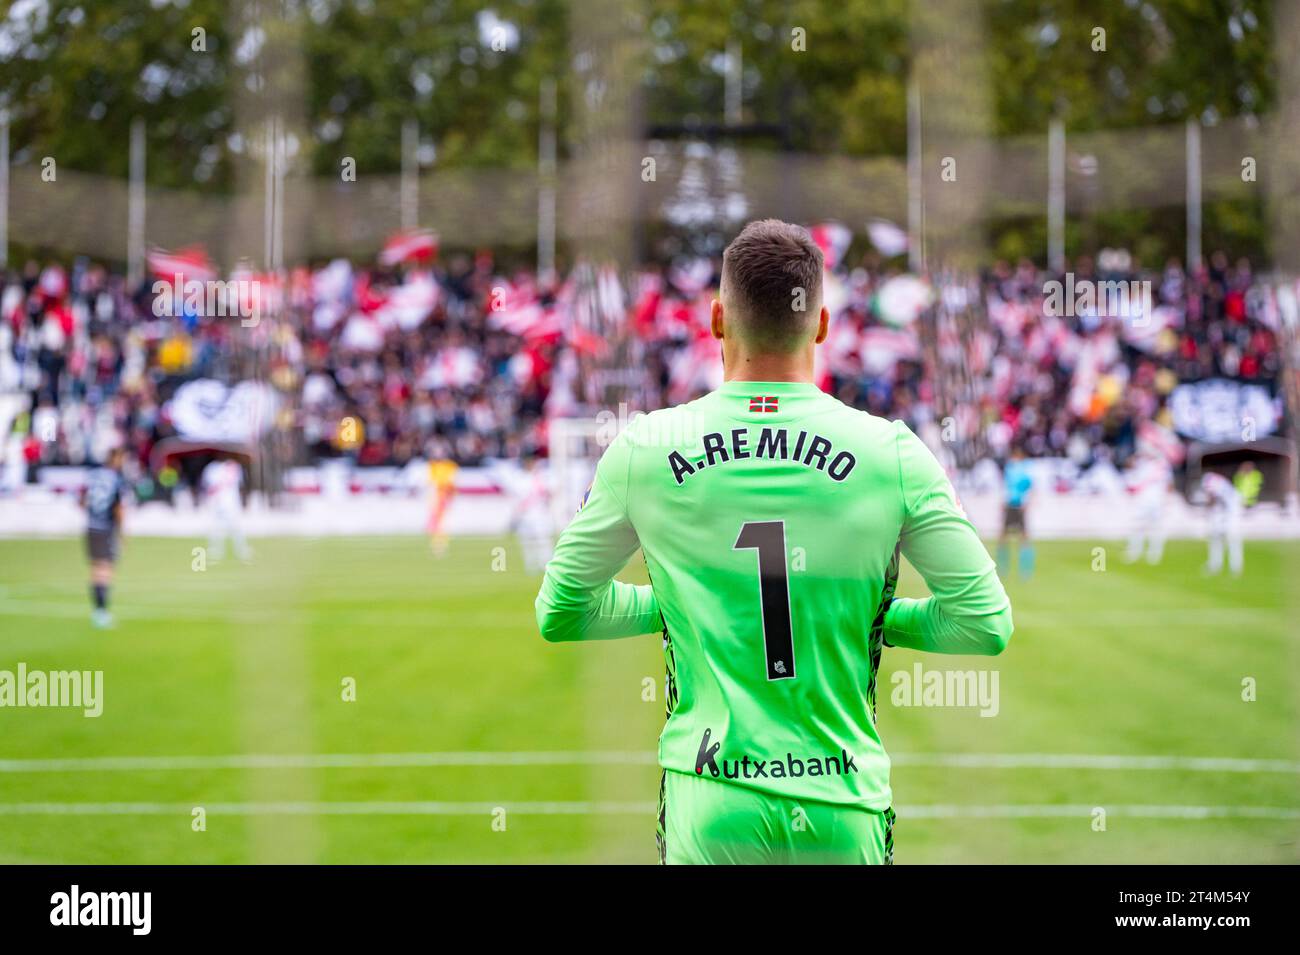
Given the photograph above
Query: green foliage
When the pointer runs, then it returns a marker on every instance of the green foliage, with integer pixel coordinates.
(73, 76)
(843, 92)
(1163, 60)
(372, 66)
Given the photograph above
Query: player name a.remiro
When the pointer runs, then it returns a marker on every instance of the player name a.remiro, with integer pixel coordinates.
(771, 444)
(53, 688)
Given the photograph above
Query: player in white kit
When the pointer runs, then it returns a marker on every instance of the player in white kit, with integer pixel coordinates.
(1148, 480)
(531, 519)
(1225, 523)
(221, 483)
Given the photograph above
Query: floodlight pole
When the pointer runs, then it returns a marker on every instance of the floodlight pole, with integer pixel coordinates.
(410, 189)
(1193, 193)
(280, 168)
(734, 93)
(915, 202)
(1056, 196)
(4, 188)
(268, 194)
(546, 168)
(136, 206)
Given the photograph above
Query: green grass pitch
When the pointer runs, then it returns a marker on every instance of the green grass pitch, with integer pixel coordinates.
(1129, 661)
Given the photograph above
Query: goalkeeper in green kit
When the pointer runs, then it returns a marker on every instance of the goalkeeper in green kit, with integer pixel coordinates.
(772, 518)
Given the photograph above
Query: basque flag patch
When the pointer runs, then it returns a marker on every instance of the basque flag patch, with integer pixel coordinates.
(767, 403)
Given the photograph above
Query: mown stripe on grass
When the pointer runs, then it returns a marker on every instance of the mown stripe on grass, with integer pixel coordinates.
(426, 808)
(469, 759)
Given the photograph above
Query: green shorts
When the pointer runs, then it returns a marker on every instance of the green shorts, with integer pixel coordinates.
(703, 822)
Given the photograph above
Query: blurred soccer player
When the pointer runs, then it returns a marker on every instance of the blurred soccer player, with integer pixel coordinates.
(442, 480)
(772, 518)
(1225, 524)
(222, 482)
(1149, 480)
(1018, 482)
(531, 520)
(102, 499)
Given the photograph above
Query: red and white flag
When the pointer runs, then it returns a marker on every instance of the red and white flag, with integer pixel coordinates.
(833, 239)
(413, 245)
(517, 310)
(53, 282)
(409, 304)
(887, 237)
(190, 263)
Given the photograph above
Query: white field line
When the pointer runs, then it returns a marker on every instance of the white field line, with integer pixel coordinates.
(419, 808)
(470, 759)
(1202, 764)
(146, 609)
(326, 761)
(1020, 811)
(402, 808)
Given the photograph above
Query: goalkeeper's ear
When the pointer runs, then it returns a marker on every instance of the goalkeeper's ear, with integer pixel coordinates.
(715, 318)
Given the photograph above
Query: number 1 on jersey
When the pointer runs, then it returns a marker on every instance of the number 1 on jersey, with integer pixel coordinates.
(768, 538)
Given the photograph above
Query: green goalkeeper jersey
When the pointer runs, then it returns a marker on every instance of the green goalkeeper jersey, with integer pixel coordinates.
(772, 518)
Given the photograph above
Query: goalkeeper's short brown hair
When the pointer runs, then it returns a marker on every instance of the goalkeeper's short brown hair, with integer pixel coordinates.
(772, 274)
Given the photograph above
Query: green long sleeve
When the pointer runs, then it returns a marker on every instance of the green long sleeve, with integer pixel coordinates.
(579, 598)
(969, 611)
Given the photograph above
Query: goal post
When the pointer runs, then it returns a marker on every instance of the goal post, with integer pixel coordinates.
(575, 446)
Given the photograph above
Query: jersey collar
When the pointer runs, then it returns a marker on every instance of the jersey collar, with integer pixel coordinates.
(768, 388)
